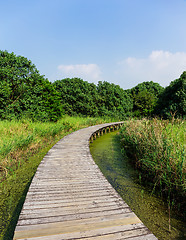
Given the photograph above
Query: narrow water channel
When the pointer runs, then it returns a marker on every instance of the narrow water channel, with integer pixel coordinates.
(116, 168)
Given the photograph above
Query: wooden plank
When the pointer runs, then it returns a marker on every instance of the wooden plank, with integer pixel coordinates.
(63, 207)
(37, 204)
(79, 222)
(42, 220)
(75, 204)
(55, 212)
(113, 232)
(87, 229)
(69, 198)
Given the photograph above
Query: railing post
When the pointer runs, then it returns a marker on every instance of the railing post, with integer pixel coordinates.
(94, 136)
(103, 130)
(91, 139)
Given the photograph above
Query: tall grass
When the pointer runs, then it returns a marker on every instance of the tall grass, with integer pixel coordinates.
(21, 139)
(23, 144)
(156, 147)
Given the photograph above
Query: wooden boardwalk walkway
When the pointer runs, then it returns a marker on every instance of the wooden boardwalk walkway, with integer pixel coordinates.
(69, 198)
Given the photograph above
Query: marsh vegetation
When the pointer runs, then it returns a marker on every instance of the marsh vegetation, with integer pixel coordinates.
(156, 148)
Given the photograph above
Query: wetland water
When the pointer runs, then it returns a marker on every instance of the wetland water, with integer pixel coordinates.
(116, 168)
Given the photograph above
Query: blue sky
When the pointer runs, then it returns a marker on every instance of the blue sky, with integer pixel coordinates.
(125, 42)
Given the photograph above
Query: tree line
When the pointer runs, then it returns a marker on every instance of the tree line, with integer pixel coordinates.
(25, 93)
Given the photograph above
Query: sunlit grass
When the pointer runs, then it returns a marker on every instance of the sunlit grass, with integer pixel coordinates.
(20, 139)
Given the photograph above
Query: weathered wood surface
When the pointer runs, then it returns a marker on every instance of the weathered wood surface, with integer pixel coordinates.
(69, 198)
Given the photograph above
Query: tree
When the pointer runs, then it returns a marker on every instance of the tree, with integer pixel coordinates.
(145, 97)
(87, 99)
(77, 96)
(144, 103)
(172, 101)
(113, 100)
(24, 92)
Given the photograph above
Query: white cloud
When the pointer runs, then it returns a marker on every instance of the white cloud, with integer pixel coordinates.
(88, 72)
(159, 66)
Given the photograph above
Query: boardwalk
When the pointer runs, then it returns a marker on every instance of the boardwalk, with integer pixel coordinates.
(69, 198)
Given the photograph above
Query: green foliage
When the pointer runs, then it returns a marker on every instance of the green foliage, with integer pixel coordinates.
(145, 96)
(113, 100)
(144, 103)
(87, 99)
(172, 102)
(151, 87)
(24, 92)
(77, 97)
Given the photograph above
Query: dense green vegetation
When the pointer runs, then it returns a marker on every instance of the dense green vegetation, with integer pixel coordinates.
(77, 97)
(23, 144)
(33, 117)
(156, 148)
(145, 97)
(83, 98)
(24, 93)
(172, 101)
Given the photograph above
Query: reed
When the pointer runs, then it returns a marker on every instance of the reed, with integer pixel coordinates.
(156, 148)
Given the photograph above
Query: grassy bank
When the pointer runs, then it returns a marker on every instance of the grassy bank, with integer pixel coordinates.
(156, 148)
(23, 144)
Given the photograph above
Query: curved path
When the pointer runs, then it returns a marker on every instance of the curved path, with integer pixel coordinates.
(69, 198)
